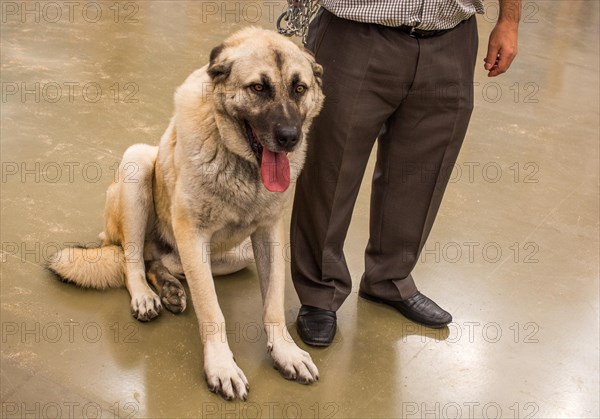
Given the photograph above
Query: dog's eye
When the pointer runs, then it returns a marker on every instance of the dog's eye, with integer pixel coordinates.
(300, 89)
(258, 87)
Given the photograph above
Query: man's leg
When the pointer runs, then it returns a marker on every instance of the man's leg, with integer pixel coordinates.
(362, 88)
(416, 154)
(366, 75)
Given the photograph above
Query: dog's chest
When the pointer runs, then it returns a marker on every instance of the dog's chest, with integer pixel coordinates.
(262, 210)
(240, 222)
(234, 231)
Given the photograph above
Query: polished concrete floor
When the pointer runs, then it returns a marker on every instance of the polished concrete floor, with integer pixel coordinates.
(513, 254)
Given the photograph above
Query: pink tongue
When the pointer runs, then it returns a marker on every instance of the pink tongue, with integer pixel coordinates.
(275, 171)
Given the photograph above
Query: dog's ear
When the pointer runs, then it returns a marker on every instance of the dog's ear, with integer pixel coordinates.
(316, 67)
(218, 67)
(318, 72)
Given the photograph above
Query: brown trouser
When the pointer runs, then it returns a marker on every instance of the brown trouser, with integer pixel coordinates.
(421, 92)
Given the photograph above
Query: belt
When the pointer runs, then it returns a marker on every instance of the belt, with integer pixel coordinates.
(419, 33)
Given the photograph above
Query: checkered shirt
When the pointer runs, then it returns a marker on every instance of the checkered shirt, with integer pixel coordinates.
(423, 14)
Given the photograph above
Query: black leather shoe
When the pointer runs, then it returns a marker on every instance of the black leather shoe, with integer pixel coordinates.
(316, 326)
(417, 308)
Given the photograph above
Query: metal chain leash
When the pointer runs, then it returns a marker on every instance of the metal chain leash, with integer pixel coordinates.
(295, 20)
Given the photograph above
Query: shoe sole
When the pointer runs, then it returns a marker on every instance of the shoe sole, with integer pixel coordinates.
(380, 301)
(318, 344)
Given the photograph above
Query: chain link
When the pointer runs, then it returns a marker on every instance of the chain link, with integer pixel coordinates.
(295, 20)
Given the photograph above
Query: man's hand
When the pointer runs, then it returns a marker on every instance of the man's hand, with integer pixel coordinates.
(502, 47)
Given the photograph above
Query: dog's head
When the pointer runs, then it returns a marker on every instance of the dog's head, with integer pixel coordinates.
(267, 91)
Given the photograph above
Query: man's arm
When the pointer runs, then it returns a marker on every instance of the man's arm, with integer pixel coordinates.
(502, 47)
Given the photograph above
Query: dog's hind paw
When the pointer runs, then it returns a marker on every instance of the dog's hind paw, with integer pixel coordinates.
(146, 306)
(294, 363)
(173, 297)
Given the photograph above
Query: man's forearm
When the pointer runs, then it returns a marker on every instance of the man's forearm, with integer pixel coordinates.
(510, 11)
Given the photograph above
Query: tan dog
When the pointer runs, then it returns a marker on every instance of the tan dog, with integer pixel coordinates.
(219, 177)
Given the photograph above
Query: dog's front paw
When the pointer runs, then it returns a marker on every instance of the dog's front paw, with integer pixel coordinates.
(145, 306)
(173, 297)
(225, 377)
(293, 363)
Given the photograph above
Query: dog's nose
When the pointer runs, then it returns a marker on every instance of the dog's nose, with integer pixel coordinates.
(287, 136)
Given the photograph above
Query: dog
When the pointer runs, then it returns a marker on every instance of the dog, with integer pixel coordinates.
(215, 187)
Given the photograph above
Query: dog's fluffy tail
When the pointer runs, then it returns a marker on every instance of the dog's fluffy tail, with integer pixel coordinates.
(90, 267)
